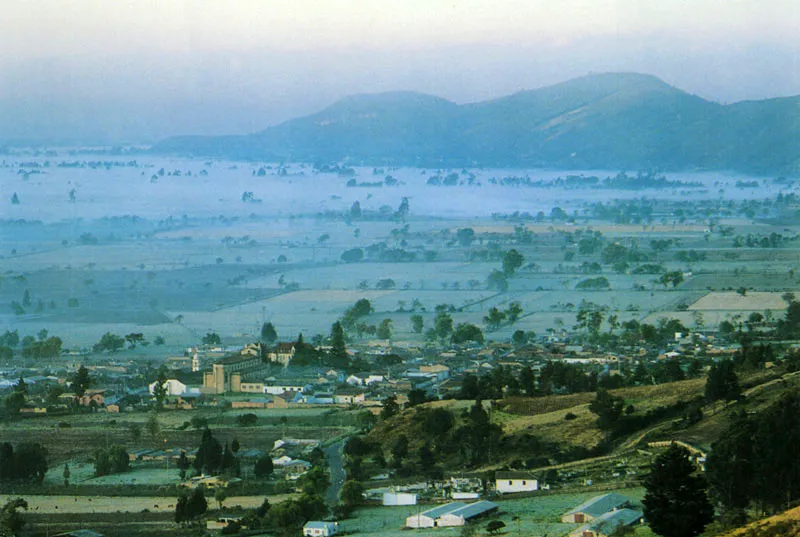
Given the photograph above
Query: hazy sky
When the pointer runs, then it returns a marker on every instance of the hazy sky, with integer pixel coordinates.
(139, 70)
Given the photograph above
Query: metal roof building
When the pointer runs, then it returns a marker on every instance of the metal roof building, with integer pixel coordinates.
(608, 523)
(595, 507)
(462, 515)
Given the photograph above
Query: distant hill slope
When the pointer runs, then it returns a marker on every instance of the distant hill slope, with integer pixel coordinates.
(618, 121)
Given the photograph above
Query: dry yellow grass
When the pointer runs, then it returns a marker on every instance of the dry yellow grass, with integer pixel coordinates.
(786, 524)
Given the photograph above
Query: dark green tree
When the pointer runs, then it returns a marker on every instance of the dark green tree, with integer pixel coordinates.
(730, 469)
(722, 383)
(389, 407)
(416, 397)
(608, 409)
(465, 332)
(338, 353)
(264, 466)
(676, 503)
(512, 261)
(160, 389)
(417, 323)
(527, 381)
(268, 333)
(81, 381)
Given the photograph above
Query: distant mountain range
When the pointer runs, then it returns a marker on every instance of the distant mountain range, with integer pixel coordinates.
(606, 121)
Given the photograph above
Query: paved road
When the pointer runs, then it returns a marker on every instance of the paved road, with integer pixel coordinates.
(335, 458)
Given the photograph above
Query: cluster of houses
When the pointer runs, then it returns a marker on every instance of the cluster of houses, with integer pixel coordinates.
(256, 376)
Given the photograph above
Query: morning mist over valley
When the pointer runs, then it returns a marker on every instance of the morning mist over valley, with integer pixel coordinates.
(411, 268)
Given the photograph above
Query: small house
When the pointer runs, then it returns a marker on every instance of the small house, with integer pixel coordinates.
(318, 528)
(511, 482)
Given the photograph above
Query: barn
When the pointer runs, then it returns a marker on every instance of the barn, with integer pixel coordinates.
(607, 524)
(429, 518)
(595, 507)
(462, 515)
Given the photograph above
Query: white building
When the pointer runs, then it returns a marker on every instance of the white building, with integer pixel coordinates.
(399, 498)
(173, 386)
(317, 528)
(427, 519)
(511, 482)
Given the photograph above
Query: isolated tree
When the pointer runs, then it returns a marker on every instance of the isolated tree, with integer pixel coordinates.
(497, 281)
(268, 333)
(512, 261)
(81, 381)
(676, 503)
(385, 329)
(467, 332)
(66, 475)
(355, 210)
(417, 323)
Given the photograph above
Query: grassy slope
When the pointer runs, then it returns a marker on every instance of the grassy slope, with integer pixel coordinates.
(786, 524)
(544, 417)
